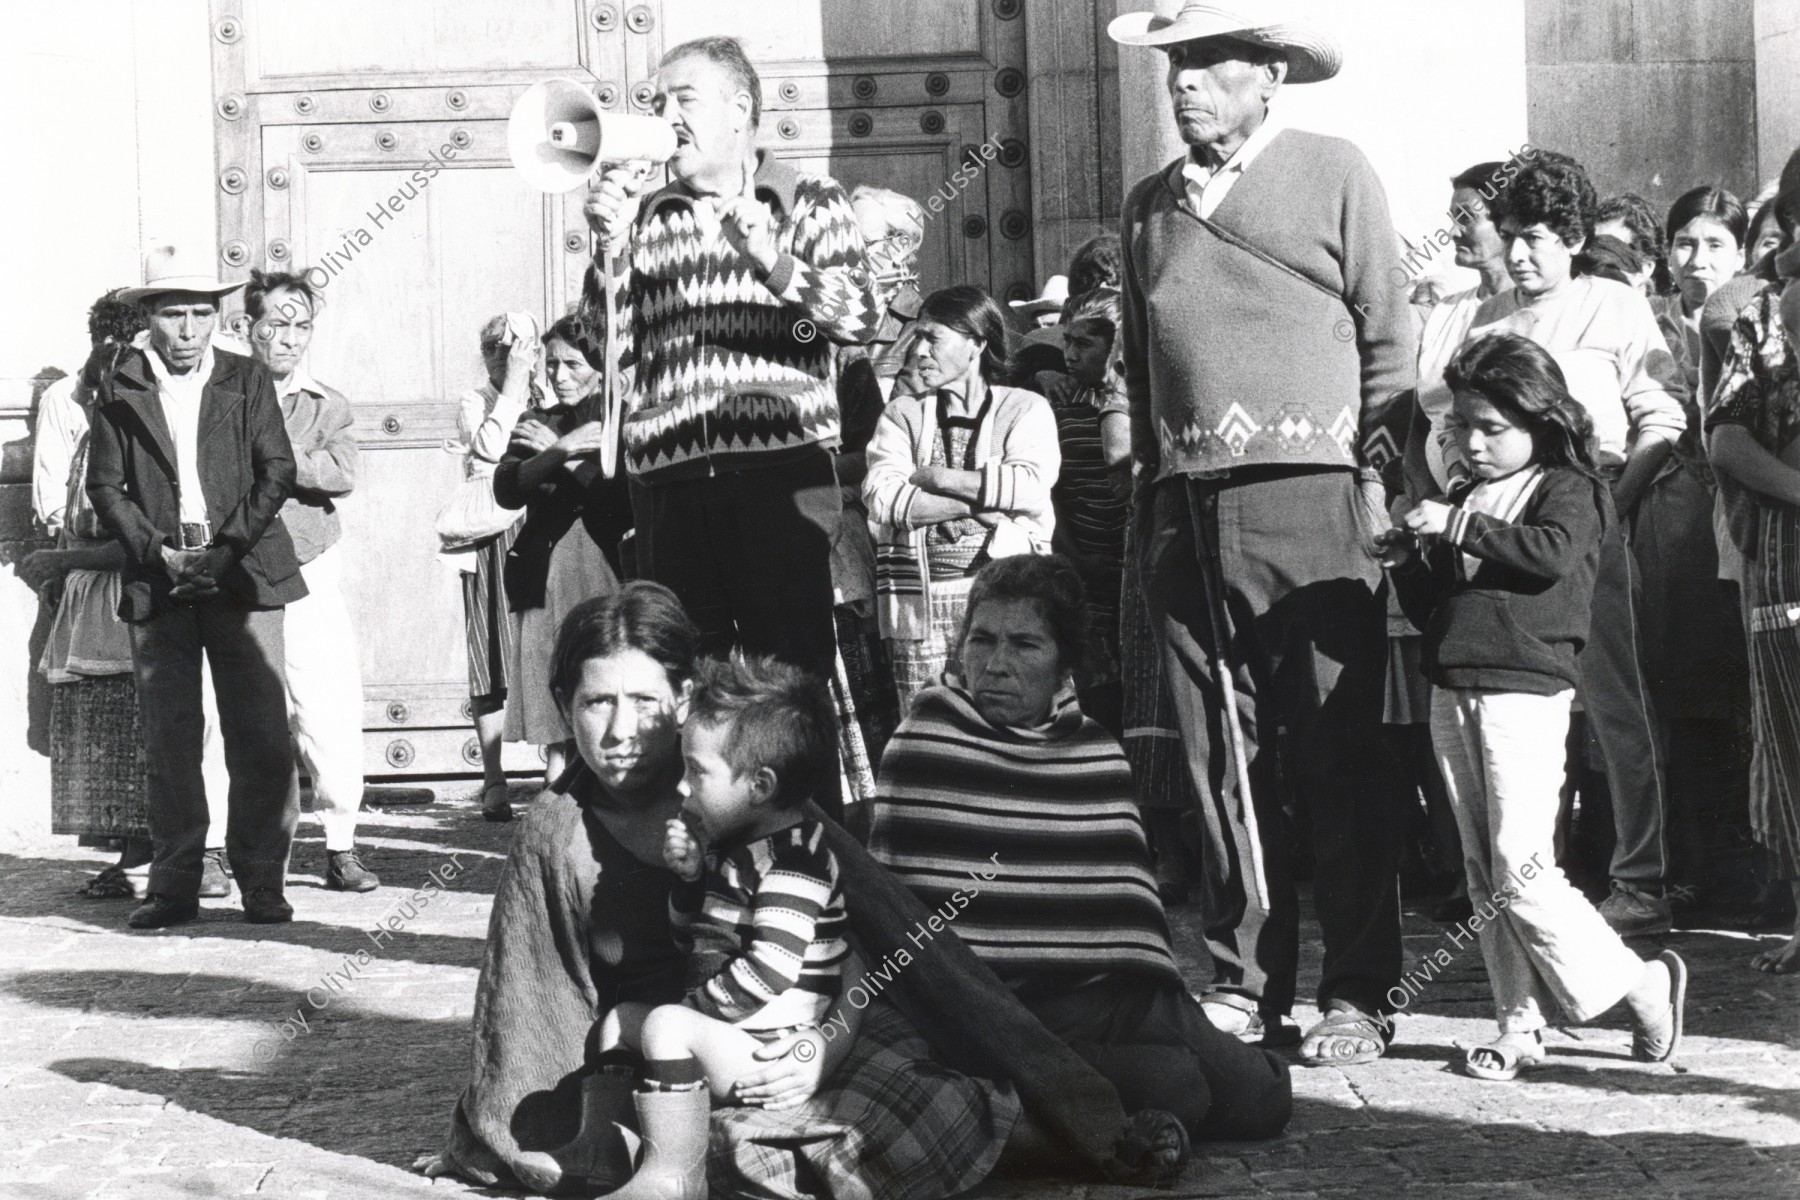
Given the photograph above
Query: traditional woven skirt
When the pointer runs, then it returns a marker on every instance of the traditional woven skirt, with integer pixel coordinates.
(492, 635)
(98, 776)
(1773, 582)
(578, 571)
(921, 664)
(868, 681)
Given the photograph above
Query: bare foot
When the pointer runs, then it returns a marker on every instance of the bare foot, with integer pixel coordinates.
(433, 1165)
(1784, 960)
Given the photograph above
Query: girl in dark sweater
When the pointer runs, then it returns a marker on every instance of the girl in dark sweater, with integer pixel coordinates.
(1501, 579)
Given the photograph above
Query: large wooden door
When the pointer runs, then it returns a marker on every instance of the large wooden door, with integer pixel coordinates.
(895, 95)
(366, 141)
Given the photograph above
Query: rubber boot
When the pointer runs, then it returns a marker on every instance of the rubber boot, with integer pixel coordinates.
(676, 1127)
(598, 1157)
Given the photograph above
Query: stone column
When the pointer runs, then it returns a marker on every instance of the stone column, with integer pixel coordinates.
(1147, 134)
(1777, 25)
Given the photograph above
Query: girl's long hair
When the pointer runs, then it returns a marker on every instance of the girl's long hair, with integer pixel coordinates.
(1518, 377)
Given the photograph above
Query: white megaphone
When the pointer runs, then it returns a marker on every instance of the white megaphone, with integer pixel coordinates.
(558, 135)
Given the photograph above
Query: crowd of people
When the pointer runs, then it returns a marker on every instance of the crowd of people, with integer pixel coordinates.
(895, 672)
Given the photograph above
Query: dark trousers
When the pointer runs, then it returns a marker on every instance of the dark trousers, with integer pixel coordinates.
(1616, 700)
(1152, 1041)
(245, 651)
(1275, 568)
(749, 554)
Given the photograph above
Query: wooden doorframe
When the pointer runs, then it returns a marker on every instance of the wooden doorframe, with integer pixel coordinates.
(1077, 184)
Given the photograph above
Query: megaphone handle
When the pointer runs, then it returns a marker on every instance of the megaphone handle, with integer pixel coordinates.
(609, 450)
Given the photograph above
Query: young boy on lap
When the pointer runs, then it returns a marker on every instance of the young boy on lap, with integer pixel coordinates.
(766, 929)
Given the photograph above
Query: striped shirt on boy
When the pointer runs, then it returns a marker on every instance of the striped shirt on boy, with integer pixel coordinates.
(765, 943)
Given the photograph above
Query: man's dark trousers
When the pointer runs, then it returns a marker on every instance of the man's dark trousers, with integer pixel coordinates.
(749, 554)
(244, 648)
(1283, 559)
(1616, 698)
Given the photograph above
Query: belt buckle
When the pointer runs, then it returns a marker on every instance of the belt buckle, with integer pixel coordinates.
(196, 535)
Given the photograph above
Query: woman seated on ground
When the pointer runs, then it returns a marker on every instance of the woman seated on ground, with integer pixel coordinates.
(883, 1106)
(1011, 814)
(581, 924)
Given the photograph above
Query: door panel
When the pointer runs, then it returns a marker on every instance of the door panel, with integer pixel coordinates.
(867, 93)
(895, 152)
(409, 37)
(798, 31)
(430, 252)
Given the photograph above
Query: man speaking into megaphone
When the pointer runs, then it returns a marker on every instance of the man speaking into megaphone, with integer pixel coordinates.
(731, 283)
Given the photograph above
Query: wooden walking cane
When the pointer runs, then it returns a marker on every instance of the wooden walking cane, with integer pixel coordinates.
(1215, 601)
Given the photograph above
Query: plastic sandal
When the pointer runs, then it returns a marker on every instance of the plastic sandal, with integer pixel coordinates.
(1502, 1060)
(1249, 1026)
(1643, 1045)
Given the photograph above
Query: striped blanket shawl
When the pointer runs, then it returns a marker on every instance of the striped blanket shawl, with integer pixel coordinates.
(1027, 841)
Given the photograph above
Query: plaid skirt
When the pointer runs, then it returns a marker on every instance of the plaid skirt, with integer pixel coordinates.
(98, 777)
(891, 1124)
(491, 634)
(921, 664)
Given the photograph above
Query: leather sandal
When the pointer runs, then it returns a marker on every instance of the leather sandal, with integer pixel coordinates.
(1344, 1037)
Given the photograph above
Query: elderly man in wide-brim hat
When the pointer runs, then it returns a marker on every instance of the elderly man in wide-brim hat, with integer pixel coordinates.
(188, 465)
(1267, 351)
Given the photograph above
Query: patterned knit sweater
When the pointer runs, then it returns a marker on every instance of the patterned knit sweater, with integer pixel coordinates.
(765, 936)
(1234, 361)
(725, 367)
(1026, 842)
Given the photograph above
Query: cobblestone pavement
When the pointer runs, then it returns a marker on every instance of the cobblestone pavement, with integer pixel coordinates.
(154, 1065)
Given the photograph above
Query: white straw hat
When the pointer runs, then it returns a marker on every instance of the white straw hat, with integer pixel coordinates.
(176, 269)
(1311, 55)
(1056, 291)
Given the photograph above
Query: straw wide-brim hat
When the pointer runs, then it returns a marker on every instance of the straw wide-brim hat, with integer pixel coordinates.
(176, 269)
(1311, 55)
(1056, 291)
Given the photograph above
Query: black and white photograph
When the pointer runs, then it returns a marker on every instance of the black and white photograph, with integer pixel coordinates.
(900, 599)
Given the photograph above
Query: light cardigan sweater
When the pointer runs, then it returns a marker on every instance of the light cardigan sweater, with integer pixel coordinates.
(1605, 338)
(1231, 361)
(1019, 456)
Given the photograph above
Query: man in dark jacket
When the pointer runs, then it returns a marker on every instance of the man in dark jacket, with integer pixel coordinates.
(188, 467)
